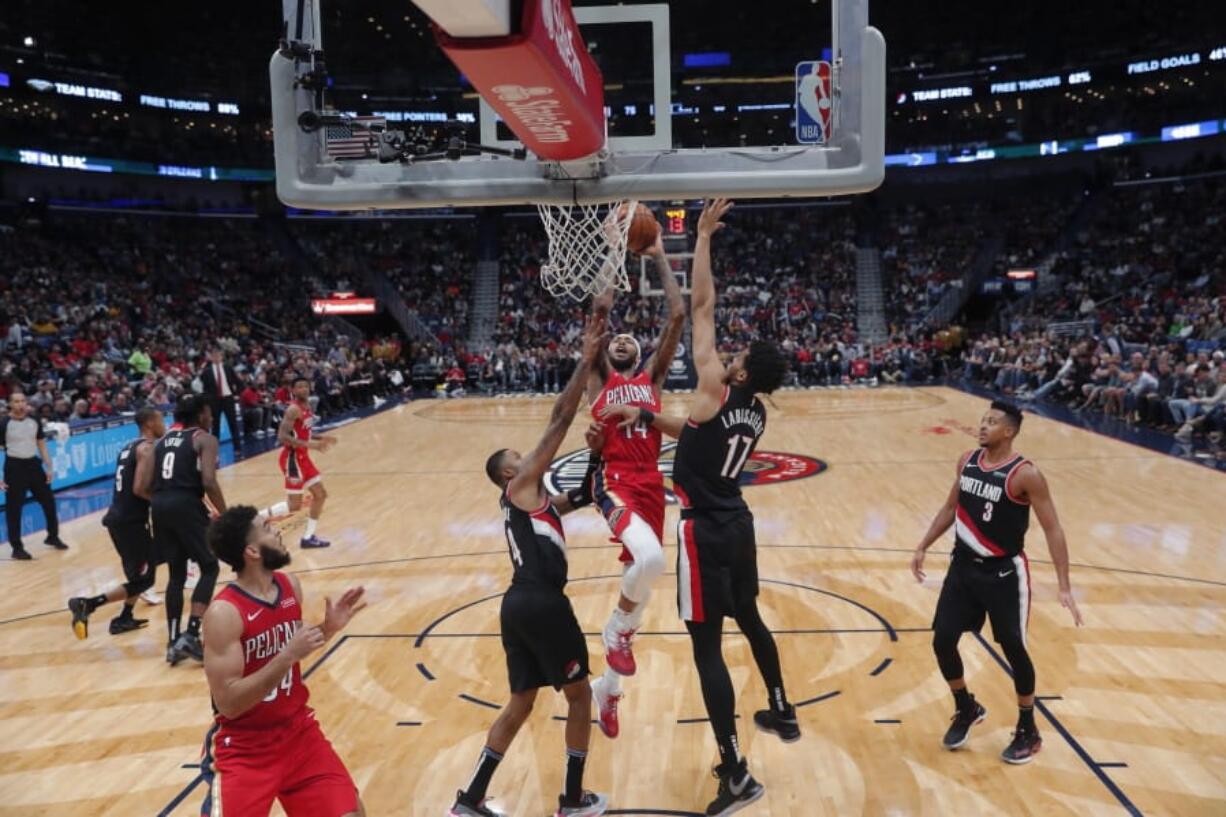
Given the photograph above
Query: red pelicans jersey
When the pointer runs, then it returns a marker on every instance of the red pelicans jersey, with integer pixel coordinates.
(267, 628)
(635, 448)
(305, 422)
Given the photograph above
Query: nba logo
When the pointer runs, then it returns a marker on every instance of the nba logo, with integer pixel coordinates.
(814, 104)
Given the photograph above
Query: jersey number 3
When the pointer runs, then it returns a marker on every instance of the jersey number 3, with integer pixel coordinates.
(735, 461)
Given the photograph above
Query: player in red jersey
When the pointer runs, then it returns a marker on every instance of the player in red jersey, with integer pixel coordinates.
(266, 744)
(629, 487)
(301, 475)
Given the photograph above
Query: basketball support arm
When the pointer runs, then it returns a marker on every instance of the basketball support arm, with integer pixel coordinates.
(852, 163)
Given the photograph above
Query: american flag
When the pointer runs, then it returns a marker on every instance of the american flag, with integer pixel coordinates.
(351, 142)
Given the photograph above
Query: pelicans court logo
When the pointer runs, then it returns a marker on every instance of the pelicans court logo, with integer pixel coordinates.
(762, 468)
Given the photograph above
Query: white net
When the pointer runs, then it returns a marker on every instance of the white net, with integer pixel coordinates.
(587, 248)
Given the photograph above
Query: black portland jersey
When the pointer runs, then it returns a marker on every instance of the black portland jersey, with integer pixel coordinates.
(537, 545)
(710, 457)
(990, 522)
(176, 465)
(126, 506)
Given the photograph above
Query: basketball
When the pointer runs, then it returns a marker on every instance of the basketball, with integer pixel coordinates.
(643, 229)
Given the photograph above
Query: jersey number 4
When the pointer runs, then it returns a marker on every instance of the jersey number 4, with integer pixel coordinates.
(287, 684)
(735, 461)
(639, 428)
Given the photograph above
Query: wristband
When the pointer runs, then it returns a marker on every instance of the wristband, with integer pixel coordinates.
(581, 497)
(646, 417)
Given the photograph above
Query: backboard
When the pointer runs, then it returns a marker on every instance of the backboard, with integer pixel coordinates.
(680, 262)
(665, 105)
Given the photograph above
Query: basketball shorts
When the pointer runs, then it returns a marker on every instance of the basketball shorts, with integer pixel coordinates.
(717, 563)
(638, 492)
(134, 544)
(542, 639)
(300, 472)
(247, 769)
(979, 588)
(179, 524)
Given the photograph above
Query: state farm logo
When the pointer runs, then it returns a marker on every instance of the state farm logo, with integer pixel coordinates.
(536, 110)
(518, 93)
(553, 15)
(762, 468)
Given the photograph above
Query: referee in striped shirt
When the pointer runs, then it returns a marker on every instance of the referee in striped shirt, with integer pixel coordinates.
(23, 442)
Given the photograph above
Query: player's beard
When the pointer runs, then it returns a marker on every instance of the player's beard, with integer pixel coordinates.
(623, 365)
(274, 559)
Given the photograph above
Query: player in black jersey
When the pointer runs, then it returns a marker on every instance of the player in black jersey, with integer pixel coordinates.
(717, 560)
(184, 472)
(989, 574)
(540, 635)
(127, 521)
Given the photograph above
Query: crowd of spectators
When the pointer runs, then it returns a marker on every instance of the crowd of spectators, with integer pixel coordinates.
(925, 249)
(100, 315)
(785, 273)
(1142, 297)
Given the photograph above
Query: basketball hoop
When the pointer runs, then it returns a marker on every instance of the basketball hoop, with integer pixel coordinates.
(587, 248)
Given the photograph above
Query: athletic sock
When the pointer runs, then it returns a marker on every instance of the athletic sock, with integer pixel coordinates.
(635, 617)
(475, 791)
(575, 760)
(126, 611)
(310, 528)
(778, 700)
(279, 509)
(962, 699)
(729, 750)
(612, 682)
(96, 601)
(193, 625)
(1025, 719)
(172, 627)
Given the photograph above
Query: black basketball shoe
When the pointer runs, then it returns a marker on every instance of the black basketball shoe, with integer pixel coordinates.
(126, 624)
(80, 609)
(463, 807)
(737, 789)
(589, 805)
(185, 646)
(960, 728)
(1026, 744)
(783, 724)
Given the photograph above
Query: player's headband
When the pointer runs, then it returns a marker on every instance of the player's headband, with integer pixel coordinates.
(638, 350)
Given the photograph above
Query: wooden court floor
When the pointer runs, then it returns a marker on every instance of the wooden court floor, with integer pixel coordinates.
(1134, 705)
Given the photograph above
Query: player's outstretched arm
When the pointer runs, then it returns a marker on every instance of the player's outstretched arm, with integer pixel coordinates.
(940, 523)
(207, 455)
(602, 305)
(702, 304)
(581, 497)
(630, 416)
(1033, 486)
(233, 694)
(525, 487)
(666, 346)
